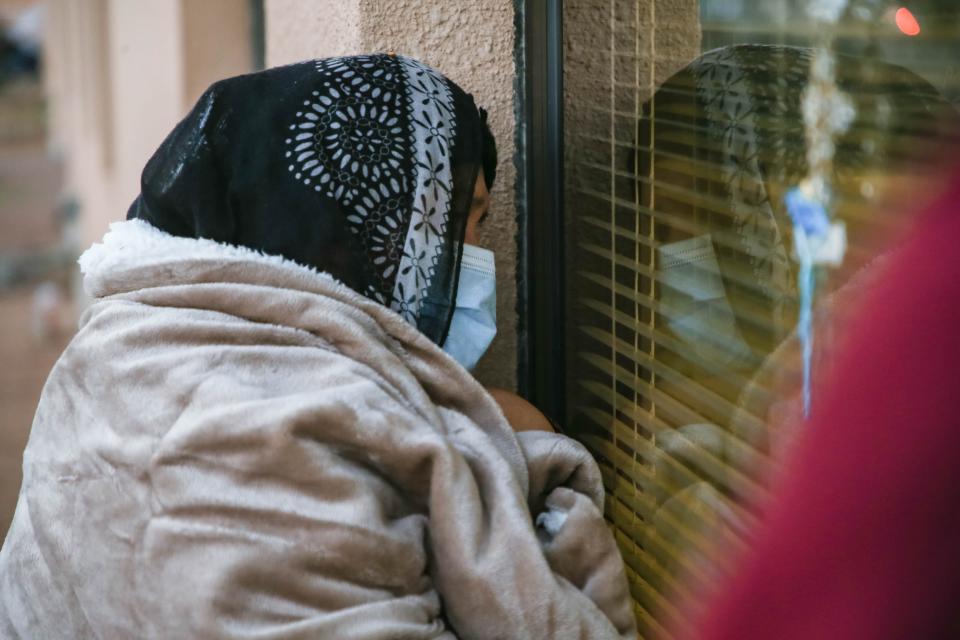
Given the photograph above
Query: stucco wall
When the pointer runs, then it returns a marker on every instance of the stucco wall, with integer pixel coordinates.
(473, 44)
(298, 30)
(210, 57)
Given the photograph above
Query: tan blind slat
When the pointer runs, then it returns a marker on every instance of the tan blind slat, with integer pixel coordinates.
(714, 469)
(645, 507)
(664, 339)
(718, 403)
(739, 275)
(745, 310)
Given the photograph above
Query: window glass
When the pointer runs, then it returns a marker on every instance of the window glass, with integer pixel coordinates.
(689, 127)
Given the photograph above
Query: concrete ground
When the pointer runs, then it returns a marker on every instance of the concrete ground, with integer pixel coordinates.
(29, 193)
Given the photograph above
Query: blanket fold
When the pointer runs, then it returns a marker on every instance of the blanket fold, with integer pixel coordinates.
(234, 445)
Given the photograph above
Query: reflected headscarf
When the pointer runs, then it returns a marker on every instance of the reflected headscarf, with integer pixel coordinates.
(729, 129)
(362, 167)
(735, 115)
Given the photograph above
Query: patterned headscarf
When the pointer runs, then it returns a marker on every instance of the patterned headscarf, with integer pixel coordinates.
(362, 167)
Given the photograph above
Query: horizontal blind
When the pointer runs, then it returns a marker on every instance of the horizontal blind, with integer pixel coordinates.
(680, 350)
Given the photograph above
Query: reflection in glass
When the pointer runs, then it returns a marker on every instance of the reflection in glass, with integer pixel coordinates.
(684, 131)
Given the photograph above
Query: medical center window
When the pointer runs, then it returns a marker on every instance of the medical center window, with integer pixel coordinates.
(670, 297)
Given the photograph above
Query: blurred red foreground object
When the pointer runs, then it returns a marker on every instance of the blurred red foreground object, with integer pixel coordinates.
(861, 537)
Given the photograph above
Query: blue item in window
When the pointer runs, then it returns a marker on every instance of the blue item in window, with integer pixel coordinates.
(807, 213)
(810, 222)
(805, 328)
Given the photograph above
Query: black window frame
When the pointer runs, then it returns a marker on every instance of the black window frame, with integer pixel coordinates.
(541, 282)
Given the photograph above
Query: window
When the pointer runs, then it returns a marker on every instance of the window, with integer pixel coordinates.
(663, 283)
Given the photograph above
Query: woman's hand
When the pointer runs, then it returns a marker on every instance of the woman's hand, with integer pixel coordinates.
(521, 415)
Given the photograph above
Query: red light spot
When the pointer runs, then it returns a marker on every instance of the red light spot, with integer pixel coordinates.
(906, 22)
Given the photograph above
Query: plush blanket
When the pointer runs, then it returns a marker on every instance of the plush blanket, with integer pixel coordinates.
(237, 446)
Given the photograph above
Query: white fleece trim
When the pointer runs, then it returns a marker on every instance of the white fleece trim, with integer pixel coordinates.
(133, 242)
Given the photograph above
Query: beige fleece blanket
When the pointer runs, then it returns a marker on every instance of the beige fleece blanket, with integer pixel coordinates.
(237, 446)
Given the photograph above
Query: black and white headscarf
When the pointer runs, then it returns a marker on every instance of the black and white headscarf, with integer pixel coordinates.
(362, 167)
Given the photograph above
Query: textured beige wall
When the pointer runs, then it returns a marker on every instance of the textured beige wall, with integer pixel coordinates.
(298, 30)
(473, 44)
(208, 55)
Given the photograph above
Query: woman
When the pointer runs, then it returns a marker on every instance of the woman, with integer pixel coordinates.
(255, 432)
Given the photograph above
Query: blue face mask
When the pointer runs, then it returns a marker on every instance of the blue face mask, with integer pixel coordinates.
(694, 302)
(474, 322)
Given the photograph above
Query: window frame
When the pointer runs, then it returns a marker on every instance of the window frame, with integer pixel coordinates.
(541, 280)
